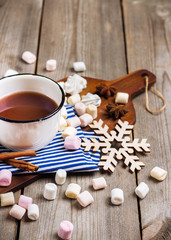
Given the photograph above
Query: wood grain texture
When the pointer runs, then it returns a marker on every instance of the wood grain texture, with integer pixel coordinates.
(148, 37)
(90, 31)
(79, 31)
(19, 30)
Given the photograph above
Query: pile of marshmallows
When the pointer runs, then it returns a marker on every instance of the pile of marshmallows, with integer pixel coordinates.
(29, 58)
(73, 191)
(68, 127)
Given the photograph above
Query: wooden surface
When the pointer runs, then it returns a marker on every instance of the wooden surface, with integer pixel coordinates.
(132, 83)
(113, 39)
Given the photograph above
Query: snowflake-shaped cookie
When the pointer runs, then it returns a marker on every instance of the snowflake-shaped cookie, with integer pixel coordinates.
(110, 153)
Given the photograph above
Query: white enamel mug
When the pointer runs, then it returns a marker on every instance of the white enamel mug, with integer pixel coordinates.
(34, 134)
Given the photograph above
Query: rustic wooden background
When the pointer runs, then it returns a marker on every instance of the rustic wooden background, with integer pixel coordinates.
(113, 38)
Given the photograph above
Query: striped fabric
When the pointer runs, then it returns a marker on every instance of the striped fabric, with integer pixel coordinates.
(55, 156)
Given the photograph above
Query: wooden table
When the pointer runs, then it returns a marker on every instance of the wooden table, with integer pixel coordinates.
(113, 38)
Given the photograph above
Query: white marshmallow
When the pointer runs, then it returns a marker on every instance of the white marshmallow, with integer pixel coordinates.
(92, 110)
(121, 98)
(64, 112)
(7, 199)
(74, 122)
(90, 98)
(51, 65)
(85, 119)
(85, 199)
(141, 190)
(50, 191)
(33, 211)
(117, 196)
(73, 190)
(28, 57)
(79, 66)
(158, 173)
(69, 131)
(60, 176)
(80, 108)
(62, 124)
(10, 72)
(99, 183)
(17, 212)
(75, 84)
(74, 99)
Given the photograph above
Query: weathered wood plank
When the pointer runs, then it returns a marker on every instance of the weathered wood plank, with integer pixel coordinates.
(90, 31)
(19, 30)
(148, 46)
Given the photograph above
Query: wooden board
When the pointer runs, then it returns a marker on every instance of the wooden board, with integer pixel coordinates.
(90, 31)
(133, 84)
(148, 46)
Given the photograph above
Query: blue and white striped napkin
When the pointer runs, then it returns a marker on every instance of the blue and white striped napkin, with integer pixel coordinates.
(54, 156)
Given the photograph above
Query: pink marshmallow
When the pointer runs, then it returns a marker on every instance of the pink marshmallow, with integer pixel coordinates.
(17, 212)
(99, 183)
(51, 65)
(28, 57)
(5, 177)
(74, 122)
(85, 119)
(80, 108)
(72, 142)
(85, 198)
(24, 201)
(65, 230)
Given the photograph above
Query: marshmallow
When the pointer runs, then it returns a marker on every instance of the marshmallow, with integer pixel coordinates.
(75, 84)
(80, 108)
(62, 123)
(90, 98)
(65, 230)
(92, 110)
(79, 66)
(74, 122)
(28, 57)
(117, 196)
(50, 191)
(158, 173)
(72, 142)
(5, 177)
(51, 65)
(85, 199)
(64, 112)
(121, 98)
(85, 119)
(141, 190)
(60, 176)
(24, 201)
(10, 72)
(17, 212)
(99, 183)
(74, 99)
(69, 131)
(73, 190)
(7, 199)
(33, 212)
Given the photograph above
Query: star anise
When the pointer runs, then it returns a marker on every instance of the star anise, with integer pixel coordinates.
(116, 110)
(105, 91)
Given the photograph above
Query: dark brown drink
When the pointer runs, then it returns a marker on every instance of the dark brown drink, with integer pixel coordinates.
(26, 106)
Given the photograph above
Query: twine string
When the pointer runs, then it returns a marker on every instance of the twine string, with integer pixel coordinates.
(156, 92)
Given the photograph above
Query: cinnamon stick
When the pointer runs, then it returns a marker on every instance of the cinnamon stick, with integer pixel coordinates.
(21, 164)
(11, 155)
